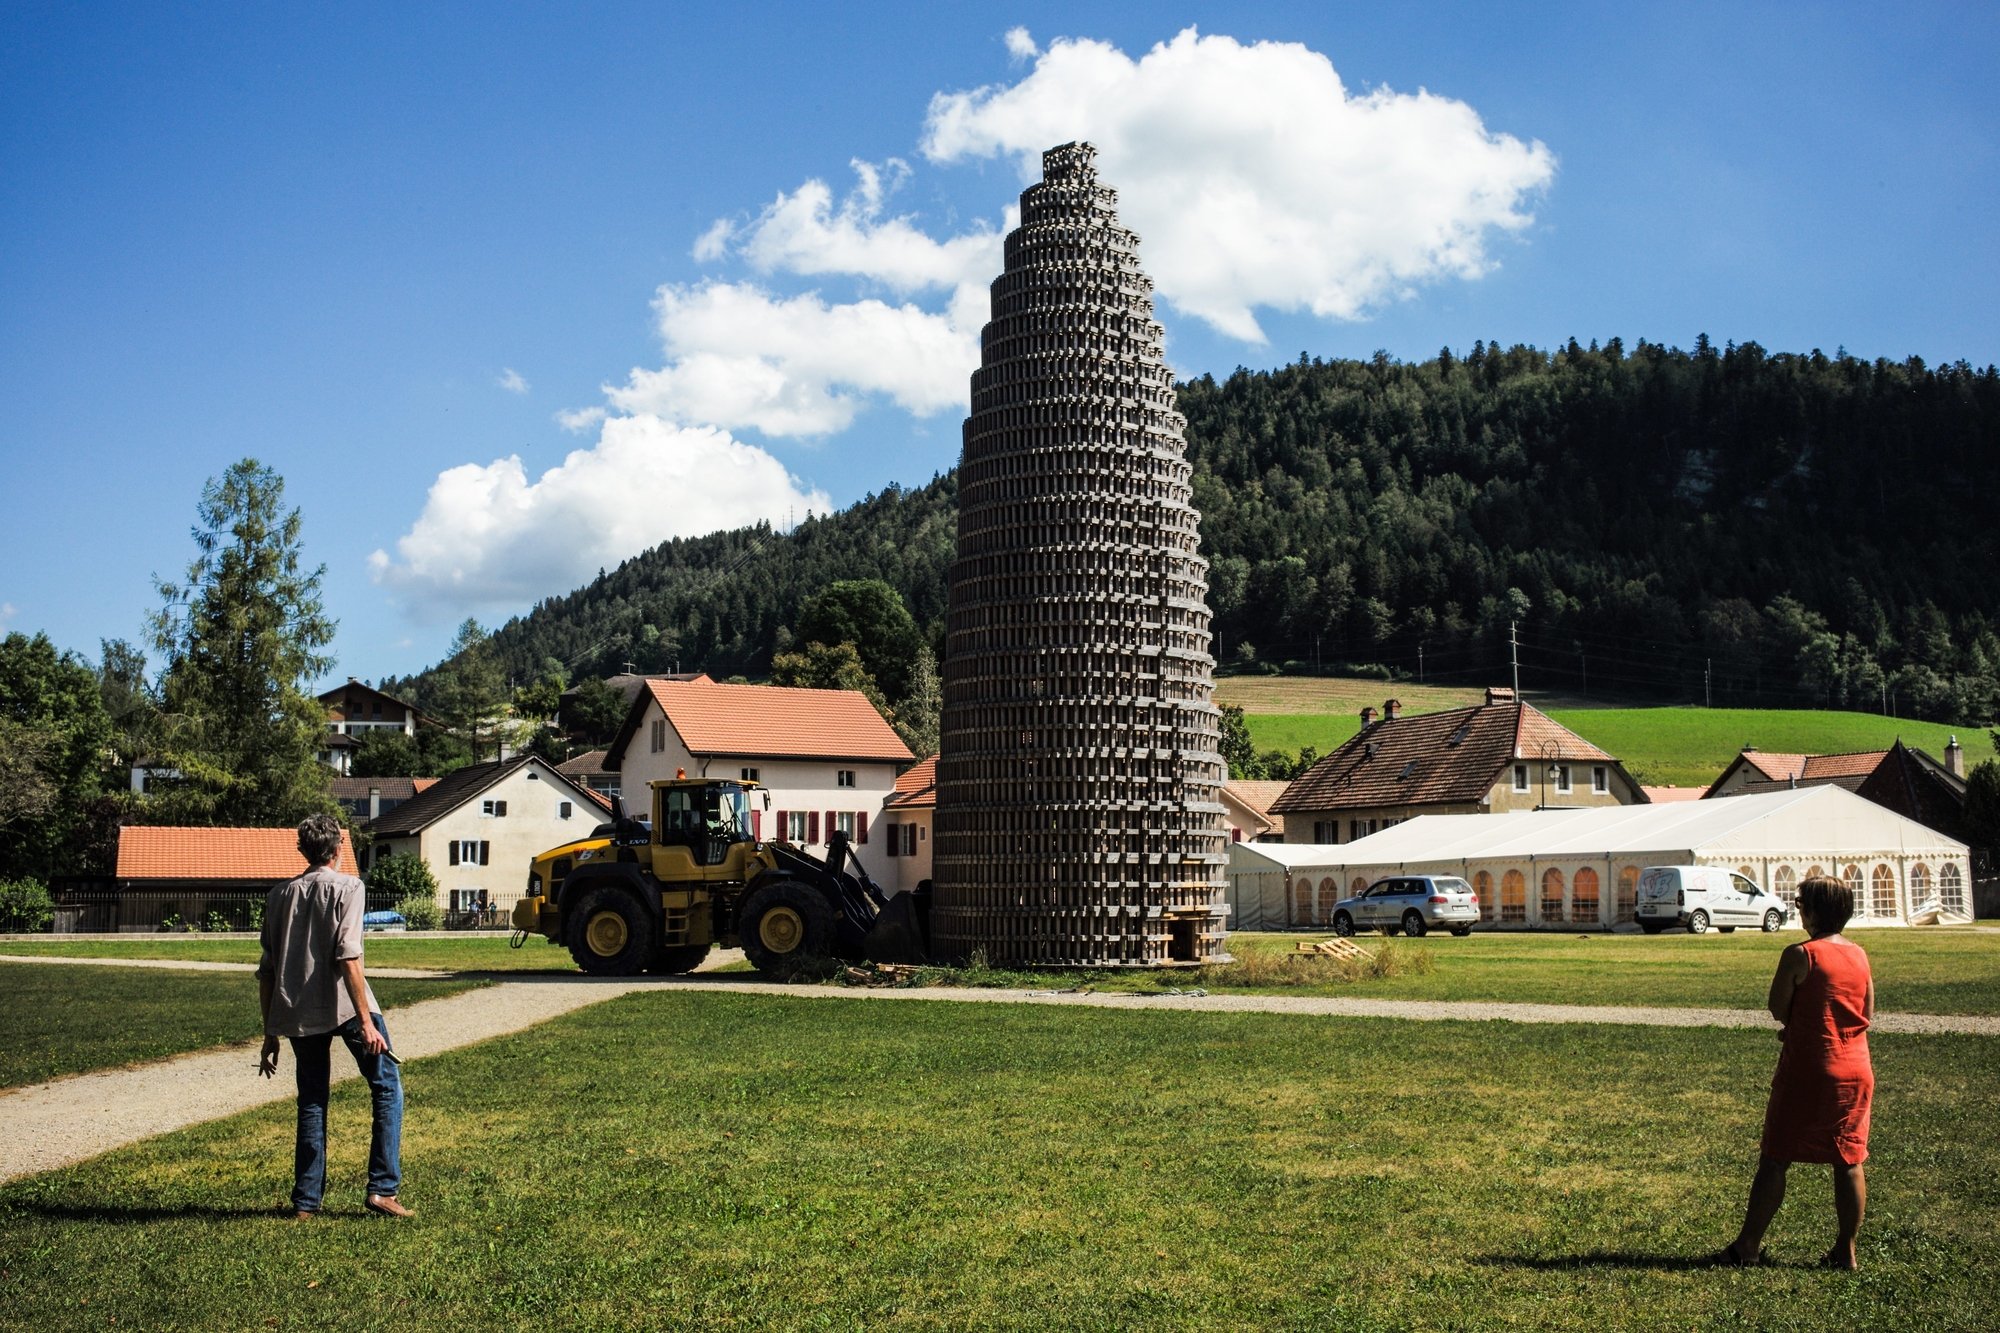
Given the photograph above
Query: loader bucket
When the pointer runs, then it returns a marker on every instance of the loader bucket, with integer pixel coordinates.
(901, 933)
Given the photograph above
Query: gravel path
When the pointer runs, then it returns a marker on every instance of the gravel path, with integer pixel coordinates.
(193, 965)
(50, 1125)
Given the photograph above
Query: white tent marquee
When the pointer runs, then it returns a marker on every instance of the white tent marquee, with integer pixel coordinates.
(1580, 868)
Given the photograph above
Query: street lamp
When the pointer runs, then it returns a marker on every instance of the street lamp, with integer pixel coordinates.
(1551, 766)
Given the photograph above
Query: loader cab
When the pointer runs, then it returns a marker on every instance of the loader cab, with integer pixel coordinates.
(706, 818)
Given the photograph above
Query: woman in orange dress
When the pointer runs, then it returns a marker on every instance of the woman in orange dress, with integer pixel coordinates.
(1825, 1084)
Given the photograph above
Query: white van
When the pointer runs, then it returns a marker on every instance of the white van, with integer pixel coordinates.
(1702, 896)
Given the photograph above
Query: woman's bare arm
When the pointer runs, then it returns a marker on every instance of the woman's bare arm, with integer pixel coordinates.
(1793, 965)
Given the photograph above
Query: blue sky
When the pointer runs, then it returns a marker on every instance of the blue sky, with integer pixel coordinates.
(383, 252)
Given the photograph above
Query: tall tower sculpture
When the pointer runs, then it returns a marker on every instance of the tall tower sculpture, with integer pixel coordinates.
(1078, 819)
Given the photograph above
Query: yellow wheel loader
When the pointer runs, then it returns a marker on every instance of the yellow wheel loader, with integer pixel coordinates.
(657, 897)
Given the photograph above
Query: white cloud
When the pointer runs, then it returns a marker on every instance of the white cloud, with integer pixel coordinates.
(510, 380)
(806, 232)
(7, 613)
(1020, 44)
(1254, 178)
(738, 356)
(489, 537)
(580, 419)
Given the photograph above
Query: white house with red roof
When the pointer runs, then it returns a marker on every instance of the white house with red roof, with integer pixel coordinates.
(907, 825)
(827, 757)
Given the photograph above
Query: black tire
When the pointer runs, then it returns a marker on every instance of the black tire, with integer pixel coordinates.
(1343, 924)
(1414, 924)
(610, 932)
(785, 923)
(1772, 920)
(673, 960)
(1460, 932)
(1698, 923)
(1651, 927)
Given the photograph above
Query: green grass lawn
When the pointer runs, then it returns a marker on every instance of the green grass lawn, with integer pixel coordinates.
(1678, 747)
(66, 1020)
(473, 953)
(709, 1161)
(1953, 971)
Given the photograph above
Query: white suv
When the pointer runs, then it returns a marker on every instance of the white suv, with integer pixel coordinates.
(1702, 896)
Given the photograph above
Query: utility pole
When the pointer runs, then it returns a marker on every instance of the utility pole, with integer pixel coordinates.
(1707, 694)
(1420, 664)
(1514, 653)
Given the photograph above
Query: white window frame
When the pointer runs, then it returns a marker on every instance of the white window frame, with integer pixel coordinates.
(1600, 779)
(843, 777)
(750, 775)
(795, 826)
(1520, 777)
(493, 809)
(1563, 779)
(843, 822)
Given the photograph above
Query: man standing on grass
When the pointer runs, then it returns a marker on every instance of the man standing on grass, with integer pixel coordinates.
(312, 988)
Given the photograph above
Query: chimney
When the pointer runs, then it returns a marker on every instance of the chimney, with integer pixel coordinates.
(1390, 709)
(1749, 748)
(1499, 694)
(1368, 717)
(1954, 758)
(374, 802)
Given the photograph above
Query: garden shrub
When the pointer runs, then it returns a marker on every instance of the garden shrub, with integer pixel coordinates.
(25, 905)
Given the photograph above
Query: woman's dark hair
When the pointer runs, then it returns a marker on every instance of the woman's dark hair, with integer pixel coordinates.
(1829, 901)
(319, 839)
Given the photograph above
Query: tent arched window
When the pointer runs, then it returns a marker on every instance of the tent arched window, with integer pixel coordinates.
(1951, 888)
(1814, 872)
(1302, 903)
(1749, 873)
(1852, 878)
(1785, 884)
(1482, 884)
(1882, 892)
(1583, 897)
(1628, 895)
(1552, 895)
(1354, 889)
(1329, 894)
(1513, 896)
(1920, 883)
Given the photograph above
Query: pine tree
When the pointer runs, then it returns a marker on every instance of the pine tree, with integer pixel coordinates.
(242, 636)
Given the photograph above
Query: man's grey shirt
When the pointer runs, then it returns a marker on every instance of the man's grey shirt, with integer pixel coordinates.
(311, 924)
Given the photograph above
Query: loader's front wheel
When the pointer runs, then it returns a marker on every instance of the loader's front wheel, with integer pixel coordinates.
(612, 935)
(783, 924)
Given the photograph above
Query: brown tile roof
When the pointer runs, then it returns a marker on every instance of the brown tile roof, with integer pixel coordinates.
(160, 852)
(447, 793)
(392, 789)
(584, 765)
(1258, 794)
(1770, 771)
(1448, 758)
(1775, 767)
(916, 789)
(1822, 767)
(767, 721)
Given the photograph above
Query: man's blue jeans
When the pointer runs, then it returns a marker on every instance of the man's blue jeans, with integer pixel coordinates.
(313, 1058)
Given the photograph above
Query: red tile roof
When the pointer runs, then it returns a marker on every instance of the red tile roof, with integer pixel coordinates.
(1825, 767)
(1258, 794)
(1448, 758)
(916, 789)
(773, 721)
(151, 852)
(1775, 767)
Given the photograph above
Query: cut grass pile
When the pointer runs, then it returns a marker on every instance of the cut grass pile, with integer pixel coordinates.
(68, 1020)
(712, 1161)
(1675, 747)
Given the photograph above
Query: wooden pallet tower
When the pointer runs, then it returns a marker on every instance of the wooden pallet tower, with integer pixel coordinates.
(1079, 770)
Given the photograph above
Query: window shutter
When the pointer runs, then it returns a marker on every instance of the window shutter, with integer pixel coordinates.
(757, 825)
(895, 839)
(830, 826)
(812, 826)
(500, 807)
(861, 827)
(784, 826)
(454, 852)
(484, 847)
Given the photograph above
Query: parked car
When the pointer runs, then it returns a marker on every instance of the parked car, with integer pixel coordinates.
(1413, 904)
(383, 921)
(1702, 896)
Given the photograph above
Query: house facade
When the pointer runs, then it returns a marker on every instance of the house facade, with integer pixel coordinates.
(827, 758)
(355, 710)
(481, 826)
(907, 821)
(1247, 810)
(1498, 757)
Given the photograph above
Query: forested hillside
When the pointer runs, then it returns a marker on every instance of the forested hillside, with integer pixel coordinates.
(1756, 528)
